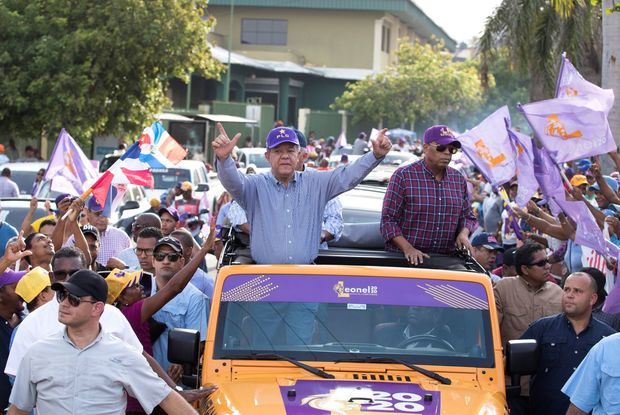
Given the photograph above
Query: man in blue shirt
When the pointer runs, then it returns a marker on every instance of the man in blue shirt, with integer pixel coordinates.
(595, 385)
(188, 310)
(285, 207)
(564, 340)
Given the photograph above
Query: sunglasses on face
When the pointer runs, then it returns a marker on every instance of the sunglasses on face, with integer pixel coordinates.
(74, 300)
(61, 275)
(440, 148)
(172, 256)
(540, 263)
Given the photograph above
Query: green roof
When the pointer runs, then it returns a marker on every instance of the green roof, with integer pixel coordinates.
(407, 10)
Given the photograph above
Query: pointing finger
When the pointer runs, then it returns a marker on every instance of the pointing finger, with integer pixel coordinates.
(220, 128)
(235, 139)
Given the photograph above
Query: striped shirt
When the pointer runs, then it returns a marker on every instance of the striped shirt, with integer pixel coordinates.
(111, 242)
(426, 212)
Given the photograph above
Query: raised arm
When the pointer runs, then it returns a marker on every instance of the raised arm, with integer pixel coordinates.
(609, 194)
(232, 180)
(14, 251)
(180, 280)
(27, 223)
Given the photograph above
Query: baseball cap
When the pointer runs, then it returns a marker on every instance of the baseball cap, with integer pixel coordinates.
(509, 257)
(578, 180)
(154, 202)
(487, 241)
(281, 135)
(84, 282)
(185, 186)
(171, 242)
(118, 280)
(301, 137)
(441, 135)
(584, 164)
(9, 277)
(93, 205)
(60, 198)
(171, 211)
(611, 182)
(91, 230)
(32, 283)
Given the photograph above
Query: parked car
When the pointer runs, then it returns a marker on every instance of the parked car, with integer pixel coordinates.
(24, 174)
(255, 157)
(14, 210)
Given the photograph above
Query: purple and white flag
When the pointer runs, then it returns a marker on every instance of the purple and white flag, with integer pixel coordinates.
(526, 178)
(487, 145)
(69, 169)
(587, 233)
(570, 83)
(570, 128)
(549, 179)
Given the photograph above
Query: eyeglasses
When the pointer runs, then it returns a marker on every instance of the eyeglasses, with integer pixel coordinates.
(440, 148)
(540, 263)
(74, 300)
(144, 251)
(172, 256)
(62, 275)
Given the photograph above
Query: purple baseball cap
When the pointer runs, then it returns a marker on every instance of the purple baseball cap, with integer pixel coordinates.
(171, 211)
(281, 135)
(440, 135)
(93, 205)
(9, 277)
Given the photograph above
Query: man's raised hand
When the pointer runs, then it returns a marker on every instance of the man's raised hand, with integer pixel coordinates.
(381, 145)
(222, 145)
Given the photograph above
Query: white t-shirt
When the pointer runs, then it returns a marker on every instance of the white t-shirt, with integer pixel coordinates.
(43, 322)
(508, 234)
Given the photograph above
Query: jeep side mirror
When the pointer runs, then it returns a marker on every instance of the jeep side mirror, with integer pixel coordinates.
(202, 187)
(184, 349)
(131, 204)
(521, 359)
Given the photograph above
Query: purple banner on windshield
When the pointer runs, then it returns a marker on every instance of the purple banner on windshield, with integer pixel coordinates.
(318, 397)
(355, 290)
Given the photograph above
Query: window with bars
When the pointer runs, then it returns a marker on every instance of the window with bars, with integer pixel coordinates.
(264, 31)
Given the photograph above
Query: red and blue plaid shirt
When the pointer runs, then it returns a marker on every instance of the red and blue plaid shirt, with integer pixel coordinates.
(426, 212)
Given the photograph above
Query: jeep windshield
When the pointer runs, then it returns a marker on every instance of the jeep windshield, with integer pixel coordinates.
(355, 318)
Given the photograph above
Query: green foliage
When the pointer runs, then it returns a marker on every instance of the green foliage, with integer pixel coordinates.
(95, 67)
(424, 87)
(536, 32)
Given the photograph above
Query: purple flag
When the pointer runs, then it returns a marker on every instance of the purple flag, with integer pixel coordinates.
(570, 128)
(549, 179)
(487, 145)
(587, 233)
(525, 167)
(69, 168)
(570, 83)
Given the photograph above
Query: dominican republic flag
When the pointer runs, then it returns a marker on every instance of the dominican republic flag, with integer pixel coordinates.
(155, 149)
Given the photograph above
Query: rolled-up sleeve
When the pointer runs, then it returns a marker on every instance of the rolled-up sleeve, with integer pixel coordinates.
(24, 392)
(392, 208)
(332, 218)
(143, 384)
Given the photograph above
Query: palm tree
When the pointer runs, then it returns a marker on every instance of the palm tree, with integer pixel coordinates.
(536, 32)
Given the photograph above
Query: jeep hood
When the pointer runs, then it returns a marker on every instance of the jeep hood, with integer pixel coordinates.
(342, 397)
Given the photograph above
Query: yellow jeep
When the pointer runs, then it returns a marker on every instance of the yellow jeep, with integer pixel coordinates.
(342, 339)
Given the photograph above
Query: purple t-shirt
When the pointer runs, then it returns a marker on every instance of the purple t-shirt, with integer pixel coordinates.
(133, 313)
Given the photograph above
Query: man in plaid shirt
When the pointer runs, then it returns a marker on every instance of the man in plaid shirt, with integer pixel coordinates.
(426, 209)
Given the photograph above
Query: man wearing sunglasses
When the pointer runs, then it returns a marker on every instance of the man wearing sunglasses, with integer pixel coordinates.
(189, 309)
(426, 209)
(128, 257)
(96, 368)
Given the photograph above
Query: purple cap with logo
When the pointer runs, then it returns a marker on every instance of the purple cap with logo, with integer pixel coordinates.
(171, 211)
(93, 205)
(9, 277)
(440, 135)
(281, 135)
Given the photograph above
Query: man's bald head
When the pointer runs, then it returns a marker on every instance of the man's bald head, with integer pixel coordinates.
(145, 220)
(585, 276)
(187, 241)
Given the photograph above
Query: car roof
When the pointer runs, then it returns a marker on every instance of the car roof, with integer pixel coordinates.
(259, 150)
(25, 165)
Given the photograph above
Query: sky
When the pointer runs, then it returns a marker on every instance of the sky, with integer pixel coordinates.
(461, 19)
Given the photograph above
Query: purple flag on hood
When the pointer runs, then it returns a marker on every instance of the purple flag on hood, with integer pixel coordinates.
(549, 179)
(570, 128)
(487, 145)
(525, 167)
(69, 168)
(587, 233)
(570, 83)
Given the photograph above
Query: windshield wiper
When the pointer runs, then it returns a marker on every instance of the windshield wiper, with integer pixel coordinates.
(276, 356)
(387, 359)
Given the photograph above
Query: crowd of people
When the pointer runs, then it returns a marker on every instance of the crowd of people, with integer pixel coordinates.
(77, 294)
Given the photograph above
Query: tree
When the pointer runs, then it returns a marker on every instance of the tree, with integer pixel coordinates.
(424, 87)
(536, 32)
(95, 67)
